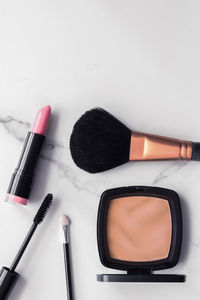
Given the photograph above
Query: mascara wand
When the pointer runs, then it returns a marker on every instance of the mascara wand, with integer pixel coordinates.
(8, 276)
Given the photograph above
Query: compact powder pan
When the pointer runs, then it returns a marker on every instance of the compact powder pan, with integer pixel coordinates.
(139, 229)
(144, 223)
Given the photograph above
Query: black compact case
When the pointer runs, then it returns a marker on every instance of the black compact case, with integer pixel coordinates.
(140, 271)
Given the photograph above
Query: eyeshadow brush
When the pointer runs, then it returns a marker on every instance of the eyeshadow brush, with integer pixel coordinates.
(8, 276)
(65, 222)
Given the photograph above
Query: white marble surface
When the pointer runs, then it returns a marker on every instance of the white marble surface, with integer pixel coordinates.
(139, 60)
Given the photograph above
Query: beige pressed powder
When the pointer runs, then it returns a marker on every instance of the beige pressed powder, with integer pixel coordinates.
(139, 228)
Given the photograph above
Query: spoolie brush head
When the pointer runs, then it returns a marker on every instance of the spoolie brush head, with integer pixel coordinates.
(99, 141)
(39, 217)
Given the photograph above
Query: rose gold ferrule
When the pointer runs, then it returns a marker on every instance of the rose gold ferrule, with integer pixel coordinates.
(153, 147)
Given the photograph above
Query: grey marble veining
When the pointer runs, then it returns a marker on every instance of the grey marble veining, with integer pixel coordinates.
(14, 127)
(52, 152)
(169, 171)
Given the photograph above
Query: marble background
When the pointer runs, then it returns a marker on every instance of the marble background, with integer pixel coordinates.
(140, 60)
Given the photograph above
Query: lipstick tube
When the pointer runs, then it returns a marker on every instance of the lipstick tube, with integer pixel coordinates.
(21, 181)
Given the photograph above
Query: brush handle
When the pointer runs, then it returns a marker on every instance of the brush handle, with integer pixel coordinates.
(195, 151)
(68, 271)
(144, 146)
(23, 247)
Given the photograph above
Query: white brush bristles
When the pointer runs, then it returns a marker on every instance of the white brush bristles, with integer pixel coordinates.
(64, 221)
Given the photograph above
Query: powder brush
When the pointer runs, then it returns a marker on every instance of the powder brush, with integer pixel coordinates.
(100, 142)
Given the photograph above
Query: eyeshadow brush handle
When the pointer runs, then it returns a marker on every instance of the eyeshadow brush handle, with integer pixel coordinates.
(68, 271)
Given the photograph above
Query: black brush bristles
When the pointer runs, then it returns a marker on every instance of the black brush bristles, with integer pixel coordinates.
(99, 141)
(42, 211)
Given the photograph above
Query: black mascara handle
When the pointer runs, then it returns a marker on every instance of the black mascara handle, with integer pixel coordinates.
(195, 151)
(68, 274)
(23, 247)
